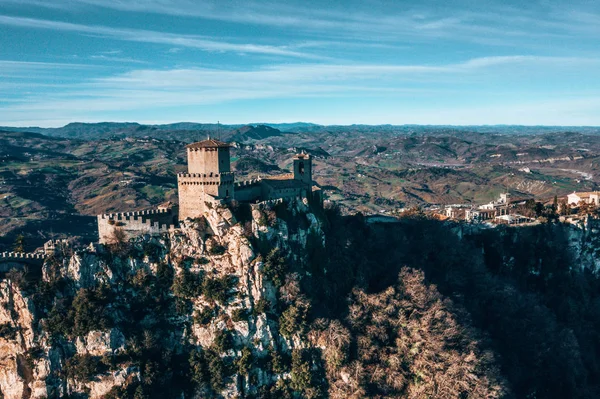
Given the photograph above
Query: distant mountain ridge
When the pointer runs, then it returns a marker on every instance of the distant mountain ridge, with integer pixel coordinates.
(192, 131)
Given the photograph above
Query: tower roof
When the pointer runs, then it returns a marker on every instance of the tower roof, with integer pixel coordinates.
(210, 143)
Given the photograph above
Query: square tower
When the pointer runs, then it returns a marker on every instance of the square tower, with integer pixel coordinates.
(209, 156)
(209, 177)
(303, 168)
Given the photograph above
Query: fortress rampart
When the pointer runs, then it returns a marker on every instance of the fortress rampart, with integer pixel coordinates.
(153, 222)
(271, 202)
(247, 183)
(20, 261)
(248, 190)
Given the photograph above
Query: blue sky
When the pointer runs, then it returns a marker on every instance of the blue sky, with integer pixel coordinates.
(330, 62)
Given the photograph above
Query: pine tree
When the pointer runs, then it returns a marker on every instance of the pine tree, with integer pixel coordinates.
(19, 245)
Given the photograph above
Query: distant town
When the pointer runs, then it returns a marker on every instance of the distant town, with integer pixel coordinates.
(576, 208)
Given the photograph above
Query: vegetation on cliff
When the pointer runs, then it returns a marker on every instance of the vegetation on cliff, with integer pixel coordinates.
(301, 303)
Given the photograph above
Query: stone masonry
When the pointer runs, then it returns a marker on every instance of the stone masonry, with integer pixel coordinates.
(208, 182)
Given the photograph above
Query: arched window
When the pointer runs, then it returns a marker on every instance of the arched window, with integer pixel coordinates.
(301, 168)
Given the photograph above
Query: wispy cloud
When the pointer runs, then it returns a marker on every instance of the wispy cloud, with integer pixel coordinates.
(107, 58)
(111, 52)
(153, 89)
(484, 20)
(147, 36)
(347, 51)
(12, 64)
(33, 71)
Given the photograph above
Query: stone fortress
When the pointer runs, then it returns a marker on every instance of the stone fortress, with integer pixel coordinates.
(210, 182)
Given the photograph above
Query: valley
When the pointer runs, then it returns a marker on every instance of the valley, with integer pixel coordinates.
(54, 181)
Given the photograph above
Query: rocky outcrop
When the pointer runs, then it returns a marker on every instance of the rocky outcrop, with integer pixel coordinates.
(88, 328)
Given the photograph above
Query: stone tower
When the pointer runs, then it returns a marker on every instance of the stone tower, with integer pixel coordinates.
(209, 178)
(303, 169)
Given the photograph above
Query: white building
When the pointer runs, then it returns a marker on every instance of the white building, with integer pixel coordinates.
(589, 197)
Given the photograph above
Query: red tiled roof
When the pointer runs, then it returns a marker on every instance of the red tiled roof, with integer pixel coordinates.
(210, 143)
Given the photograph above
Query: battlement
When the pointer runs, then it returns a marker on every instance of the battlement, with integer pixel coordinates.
(7, 256)
(205, 179)
(152, 221)
(247, 183)
(20, 261)
(128, 215)
(57, 242)
(205, 175)
(51, 246)
(271, 202)
(129, 219)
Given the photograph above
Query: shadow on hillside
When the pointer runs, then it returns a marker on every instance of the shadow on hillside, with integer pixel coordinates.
(38, 231)
(519, 285)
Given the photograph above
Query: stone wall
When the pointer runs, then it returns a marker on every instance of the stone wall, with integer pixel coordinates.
(248, 190)
(287, 193)
(197, 188)
(20, 261)
(153, 222)
(206, 160)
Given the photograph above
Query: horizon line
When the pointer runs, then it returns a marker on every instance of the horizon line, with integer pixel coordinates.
(299, 122)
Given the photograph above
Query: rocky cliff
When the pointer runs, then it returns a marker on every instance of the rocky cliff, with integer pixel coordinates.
(199, 306)
(276, 300)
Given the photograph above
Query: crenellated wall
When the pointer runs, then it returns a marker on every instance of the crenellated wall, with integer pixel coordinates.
(20, 260)
(153, 222)
(248, 190)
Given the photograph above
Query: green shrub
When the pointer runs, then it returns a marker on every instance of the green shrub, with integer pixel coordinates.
(204, 316)
(217, 249)
(218, 289)
(275, 267)
(187, 284)
(278, 362)
(300, 376)
(152, 251)
(89, 311)
(164, 275)
(223, 341)
(60, 319)
(198, 366)
(244, 362)
(202, 261)
(305, 378)
(183, 306)
(217, 370)
(7, 331)
(260, 307)
(292, 320)
(84, 367)
(239, 314)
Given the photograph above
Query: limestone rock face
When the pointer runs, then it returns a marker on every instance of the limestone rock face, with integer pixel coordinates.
(35, 363)
(99, 343)
(16, 318)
